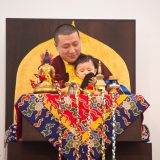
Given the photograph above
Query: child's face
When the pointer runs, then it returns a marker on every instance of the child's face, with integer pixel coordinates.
(85, 68)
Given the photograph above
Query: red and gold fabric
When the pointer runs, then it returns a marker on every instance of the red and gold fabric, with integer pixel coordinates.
(42, 111)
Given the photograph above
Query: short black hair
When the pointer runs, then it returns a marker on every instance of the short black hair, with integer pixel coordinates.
(64, 29)
(86, 58)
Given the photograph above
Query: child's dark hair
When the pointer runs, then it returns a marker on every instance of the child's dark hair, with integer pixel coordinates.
(86, 58)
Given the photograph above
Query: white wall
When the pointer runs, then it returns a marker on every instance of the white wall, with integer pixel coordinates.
(147, 15)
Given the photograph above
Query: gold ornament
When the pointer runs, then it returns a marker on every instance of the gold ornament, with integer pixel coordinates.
(47, 85)
(100, 84)
(46, 74)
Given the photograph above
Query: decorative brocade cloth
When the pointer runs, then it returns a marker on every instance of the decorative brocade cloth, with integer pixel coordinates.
(42, 111)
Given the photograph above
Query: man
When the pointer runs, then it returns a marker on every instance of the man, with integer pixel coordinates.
(67, 42)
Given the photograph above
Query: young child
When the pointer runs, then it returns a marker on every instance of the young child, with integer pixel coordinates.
(85, 69)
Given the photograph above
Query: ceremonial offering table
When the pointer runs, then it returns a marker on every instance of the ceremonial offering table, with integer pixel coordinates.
(39, 117)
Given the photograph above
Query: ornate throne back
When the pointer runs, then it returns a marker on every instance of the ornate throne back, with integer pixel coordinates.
(30, 63)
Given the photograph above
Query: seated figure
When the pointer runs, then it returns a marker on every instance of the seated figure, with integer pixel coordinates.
(46, 74)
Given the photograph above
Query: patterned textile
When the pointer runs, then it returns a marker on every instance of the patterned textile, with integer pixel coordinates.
(10, 135)
(43, 112)
(145, 133)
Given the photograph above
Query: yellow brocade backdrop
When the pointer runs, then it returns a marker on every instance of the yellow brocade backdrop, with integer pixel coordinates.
(30, 63)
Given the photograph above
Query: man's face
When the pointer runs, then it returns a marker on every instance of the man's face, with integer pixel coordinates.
(69, 47)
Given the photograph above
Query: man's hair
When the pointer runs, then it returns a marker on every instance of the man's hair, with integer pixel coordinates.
(64, 29)
(86, 58)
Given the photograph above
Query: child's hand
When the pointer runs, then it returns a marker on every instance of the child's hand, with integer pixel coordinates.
(92, 81)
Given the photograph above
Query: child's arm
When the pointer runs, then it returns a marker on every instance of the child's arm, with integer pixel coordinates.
(87, 79)
(92, 81)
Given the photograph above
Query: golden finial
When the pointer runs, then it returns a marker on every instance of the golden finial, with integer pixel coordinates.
(99, 68)
(73, 23)
(100, 84)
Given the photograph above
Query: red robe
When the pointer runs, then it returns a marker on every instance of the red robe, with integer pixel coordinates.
(60, 69)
